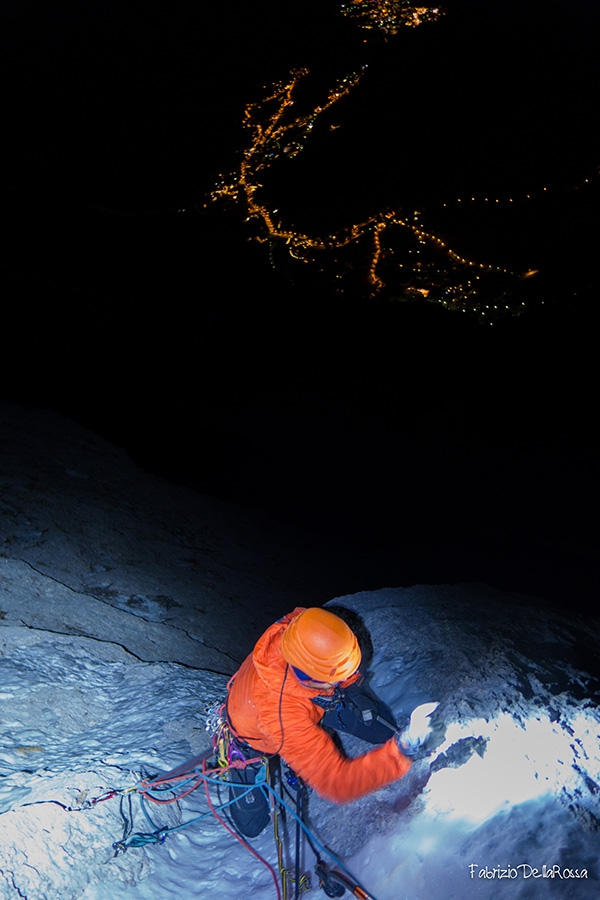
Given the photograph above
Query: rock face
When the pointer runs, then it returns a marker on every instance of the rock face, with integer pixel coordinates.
(105, 550)
(126, 602)
(512, 777)
(39, 601)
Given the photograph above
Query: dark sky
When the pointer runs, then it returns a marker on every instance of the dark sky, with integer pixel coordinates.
(391, 425)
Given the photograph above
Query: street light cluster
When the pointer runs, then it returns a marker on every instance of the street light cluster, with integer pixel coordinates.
(431, 270)
(389, 16)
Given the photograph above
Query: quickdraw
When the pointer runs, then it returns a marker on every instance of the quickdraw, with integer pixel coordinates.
(229, 751)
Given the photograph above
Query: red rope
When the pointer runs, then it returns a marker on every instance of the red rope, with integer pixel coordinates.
(173, 799)
(147, 786)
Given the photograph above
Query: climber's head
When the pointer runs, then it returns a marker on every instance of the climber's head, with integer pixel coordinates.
(320, 647)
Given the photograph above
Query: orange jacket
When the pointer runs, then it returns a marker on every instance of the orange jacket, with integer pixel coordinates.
(271, 710)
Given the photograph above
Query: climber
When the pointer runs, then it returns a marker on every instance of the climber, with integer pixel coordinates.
(303, 674)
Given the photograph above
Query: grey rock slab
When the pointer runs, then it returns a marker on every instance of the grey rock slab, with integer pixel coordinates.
(30, 598)
(77, 509)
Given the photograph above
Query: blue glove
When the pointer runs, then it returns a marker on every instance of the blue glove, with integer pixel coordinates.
(419, 729)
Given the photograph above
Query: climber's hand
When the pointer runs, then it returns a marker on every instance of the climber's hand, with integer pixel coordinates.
(419, 729)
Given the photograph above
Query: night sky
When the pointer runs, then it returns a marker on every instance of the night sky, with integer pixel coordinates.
(458, 450)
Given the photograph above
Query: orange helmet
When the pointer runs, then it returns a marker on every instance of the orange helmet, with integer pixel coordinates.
(321, 645)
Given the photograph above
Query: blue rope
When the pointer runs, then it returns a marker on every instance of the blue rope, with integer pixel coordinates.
(159, 834)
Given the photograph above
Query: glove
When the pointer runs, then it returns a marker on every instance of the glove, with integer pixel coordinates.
(419, 729)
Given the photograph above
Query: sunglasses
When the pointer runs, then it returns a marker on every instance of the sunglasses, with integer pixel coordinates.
(302, 676)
